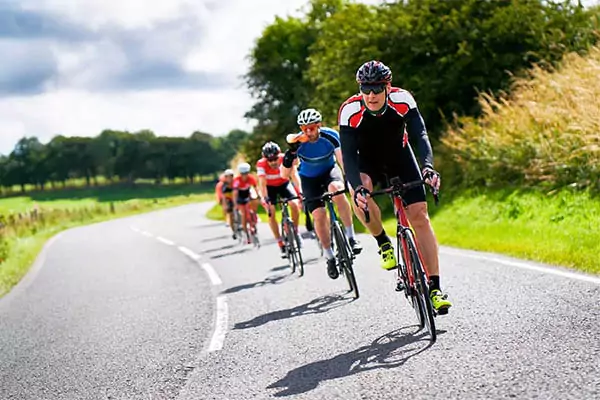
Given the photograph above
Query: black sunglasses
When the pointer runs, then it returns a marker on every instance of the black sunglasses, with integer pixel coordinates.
(366, 89)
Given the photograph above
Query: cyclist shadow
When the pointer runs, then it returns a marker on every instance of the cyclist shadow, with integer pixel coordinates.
(316, 306)
(215, 238)
(232, 253)
(225, 247)
(388, 351)
(269, 280)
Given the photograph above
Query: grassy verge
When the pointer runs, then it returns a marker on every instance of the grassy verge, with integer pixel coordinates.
(25, 232)
(559, 228)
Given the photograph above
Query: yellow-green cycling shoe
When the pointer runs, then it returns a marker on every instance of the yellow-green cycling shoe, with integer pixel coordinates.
(388, 259)
(440, 301)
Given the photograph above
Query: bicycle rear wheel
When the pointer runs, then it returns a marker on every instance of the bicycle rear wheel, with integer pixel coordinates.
(344, 258)
(421, 286)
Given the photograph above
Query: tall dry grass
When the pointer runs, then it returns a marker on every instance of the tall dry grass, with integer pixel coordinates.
(546, 133)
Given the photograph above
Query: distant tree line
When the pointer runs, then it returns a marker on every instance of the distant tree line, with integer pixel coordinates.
(118, 156)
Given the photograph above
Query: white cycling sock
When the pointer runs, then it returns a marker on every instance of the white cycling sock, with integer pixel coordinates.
(328, 253)
(350, 231)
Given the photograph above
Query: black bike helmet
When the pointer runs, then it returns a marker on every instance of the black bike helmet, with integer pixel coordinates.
(373, 72)
(270, 150)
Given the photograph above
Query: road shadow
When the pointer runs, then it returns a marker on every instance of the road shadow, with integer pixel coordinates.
(269, 280)
(233, 253)
(225, 247)
(388, 351)
(211, 225)
(215, 238)
(316, 306)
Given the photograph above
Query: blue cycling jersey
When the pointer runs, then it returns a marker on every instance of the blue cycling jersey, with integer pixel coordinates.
(318, 158)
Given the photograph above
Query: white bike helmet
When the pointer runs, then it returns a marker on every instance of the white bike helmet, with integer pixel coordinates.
(228, 172)
(309, 116)
(243, 168)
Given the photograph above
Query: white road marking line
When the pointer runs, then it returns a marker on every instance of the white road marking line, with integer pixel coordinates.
(214, 277)
(165, 241)
(216, 343)
(189, 253)
(148, 234)
(133, 228)
(546, 270)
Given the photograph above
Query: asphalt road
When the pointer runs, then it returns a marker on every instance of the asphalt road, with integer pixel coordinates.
(167, 306)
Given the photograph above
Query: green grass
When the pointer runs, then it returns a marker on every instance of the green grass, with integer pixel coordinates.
(85, 197)
(561, 228)
(22, 240)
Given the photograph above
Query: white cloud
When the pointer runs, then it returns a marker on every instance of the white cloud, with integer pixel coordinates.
(79, 113)
(212, 37)
(128, 14)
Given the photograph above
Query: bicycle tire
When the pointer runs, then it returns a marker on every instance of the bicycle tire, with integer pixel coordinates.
(344, 258)
(237, 223)
(254, 229)
(295, 245)
(409, 289)
(288, 247)
(421, 286)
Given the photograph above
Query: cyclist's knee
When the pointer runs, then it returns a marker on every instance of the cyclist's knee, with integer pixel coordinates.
(335, 186)
(418, 215)
(318, 214)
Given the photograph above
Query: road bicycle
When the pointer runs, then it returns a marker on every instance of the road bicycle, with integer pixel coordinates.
(412, 278)
(237, 225)
(290, 237)
(339, 242)
(251, 225)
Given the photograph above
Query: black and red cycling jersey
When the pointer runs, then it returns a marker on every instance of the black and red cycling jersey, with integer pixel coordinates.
(380, 141)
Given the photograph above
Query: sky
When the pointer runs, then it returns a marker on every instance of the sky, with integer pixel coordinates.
(76, 67)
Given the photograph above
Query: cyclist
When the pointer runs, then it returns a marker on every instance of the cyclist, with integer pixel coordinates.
(318, 148)
(227, 199)
(219, 193)
(375, 126)
(243, 185)
(272, 185)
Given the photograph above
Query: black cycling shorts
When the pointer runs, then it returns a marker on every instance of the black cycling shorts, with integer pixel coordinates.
(285, 191)
(316, 186)
(405, 167)
(243, 197)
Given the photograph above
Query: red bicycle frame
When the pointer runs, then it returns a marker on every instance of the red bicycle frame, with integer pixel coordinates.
(405, 224)
(251, 217)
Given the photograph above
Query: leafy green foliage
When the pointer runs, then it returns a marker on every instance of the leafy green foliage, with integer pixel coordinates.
(444, 52)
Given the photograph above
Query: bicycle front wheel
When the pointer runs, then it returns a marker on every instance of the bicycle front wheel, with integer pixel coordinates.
(409, 289)
(421, 285)
(295, 247)
(287, 242)
(344, 258)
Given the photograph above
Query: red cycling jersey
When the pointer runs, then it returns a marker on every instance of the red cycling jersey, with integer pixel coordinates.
(273, 175)
(244, 185)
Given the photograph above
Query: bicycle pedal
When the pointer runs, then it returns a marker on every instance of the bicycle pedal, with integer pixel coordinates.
(400, 287)
(442, 311)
